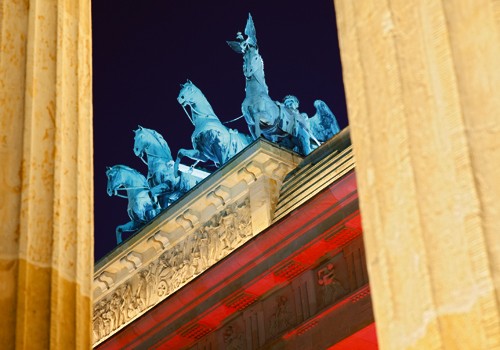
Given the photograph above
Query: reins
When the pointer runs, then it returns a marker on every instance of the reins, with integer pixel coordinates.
(127, 188)
(184, 108)
(233, 120)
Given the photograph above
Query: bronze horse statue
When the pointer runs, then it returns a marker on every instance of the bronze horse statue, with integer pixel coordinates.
(278, 122)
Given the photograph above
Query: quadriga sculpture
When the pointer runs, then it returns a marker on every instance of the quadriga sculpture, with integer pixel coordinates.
(278, 122)
(166, 182)
(142, 205)
(212, 141)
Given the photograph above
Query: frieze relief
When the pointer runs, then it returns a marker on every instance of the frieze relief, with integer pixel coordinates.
(331, 281)
(292, 307)
(331, 289)
(232, 337)
(211, 242)
(281, 319)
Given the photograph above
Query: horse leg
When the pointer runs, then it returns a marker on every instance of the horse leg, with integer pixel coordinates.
(190, 153)
(180, 155)
(256, 121)
(158, 189)
(159, 192)
(163, 194)
(129, 226)
(194, 164)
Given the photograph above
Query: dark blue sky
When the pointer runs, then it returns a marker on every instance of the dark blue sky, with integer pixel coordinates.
(143, 50)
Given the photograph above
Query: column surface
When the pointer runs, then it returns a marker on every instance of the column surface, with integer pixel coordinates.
(46, 177)
(422, 82)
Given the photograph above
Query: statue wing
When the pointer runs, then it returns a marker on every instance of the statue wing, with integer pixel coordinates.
(250, 31)
(323, 124)
(236, 46)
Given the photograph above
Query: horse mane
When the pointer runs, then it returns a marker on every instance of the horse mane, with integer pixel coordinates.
(262, 80)
(156, 134)
(260, 56)
(127, 168)
(159, 138)
(124, 167)
(202, 98)
(197, 89)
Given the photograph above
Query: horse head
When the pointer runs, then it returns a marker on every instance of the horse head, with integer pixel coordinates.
(121, 177)
(115, 179)
(191, 96)
(139, 144)
(188, 93)
(253, 64)
(151, 143)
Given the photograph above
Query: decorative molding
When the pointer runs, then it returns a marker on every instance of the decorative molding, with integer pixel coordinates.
(185, 221)
(195, 331)
(105, 280)
(360, 294)
(307, 327)
(247, 175)
(178, 265)
(160, 238)
(132, 261)
(241, 300)
(290, 270)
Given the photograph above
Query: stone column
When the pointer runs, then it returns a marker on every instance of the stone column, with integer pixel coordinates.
(422, 80)
(46, 194)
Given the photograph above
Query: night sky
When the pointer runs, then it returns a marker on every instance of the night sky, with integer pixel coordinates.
(143, 50)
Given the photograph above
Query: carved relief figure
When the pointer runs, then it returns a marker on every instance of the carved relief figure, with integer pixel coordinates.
(215, 243)
(99, 329)
(114, 306)
(164, 274)
(203, 246)
(151, 284)
(243, 224)
(233, 339)
(331, 288)
(141, 293)
(126, 306)
(107, 321)
(280, 320)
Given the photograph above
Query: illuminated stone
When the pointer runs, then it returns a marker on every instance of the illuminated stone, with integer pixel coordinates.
(421, 81)
(46, 181)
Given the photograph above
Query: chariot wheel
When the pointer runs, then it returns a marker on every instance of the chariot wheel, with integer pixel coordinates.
(162, 288)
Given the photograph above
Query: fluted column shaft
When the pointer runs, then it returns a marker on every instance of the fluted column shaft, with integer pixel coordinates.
(422, 80)
(46, 175)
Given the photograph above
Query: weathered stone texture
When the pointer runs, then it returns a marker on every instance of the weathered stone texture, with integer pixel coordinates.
(421, 81)
(46, 194)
